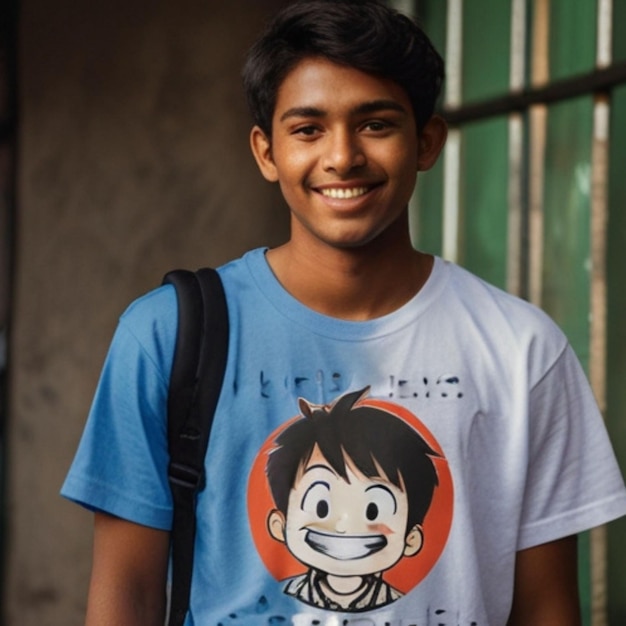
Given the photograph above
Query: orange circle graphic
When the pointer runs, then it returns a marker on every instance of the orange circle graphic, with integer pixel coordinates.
(409, 571)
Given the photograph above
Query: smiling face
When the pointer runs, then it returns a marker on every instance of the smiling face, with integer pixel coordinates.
(345, 151)
(350, 527)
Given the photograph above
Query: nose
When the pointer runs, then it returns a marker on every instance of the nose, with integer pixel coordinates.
(341, 525)
(342, 152)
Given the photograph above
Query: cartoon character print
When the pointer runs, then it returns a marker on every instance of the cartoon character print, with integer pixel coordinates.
(351, 484)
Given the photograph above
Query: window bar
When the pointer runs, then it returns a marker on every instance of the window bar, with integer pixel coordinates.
(598, 293)
(516, 152)
(598, 331)
(537, 137)
(596, 81)
(452, 153)
(410, 8)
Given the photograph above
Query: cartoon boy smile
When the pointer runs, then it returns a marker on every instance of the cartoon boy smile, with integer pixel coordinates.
(344, 506)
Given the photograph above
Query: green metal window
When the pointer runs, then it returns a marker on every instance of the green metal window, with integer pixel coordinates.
(529, 193)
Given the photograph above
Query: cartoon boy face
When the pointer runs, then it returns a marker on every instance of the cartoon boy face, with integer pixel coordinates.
(352, 526)
(351, 483)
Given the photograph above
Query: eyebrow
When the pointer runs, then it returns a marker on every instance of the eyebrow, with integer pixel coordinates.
(373, 106)
(319, 466)
(385, 488)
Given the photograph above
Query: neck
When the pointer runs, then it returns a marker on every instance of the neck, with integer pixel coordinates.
(358, 283)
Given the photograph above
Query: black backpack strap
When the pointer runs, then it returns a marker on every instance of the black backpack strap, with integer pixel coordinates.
(195, 385)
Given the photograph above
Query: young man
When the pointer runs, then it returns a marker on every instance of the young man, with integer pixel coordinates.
(342, 94)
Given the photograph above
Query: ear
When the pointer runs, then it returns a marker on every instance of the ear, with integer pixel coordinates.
(414, 541)
(276, 525)
(261, 146)
(431, 141)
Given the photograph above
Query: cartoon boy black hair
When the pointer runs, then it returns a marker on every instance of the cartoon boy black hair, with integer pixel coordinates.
(351, 484)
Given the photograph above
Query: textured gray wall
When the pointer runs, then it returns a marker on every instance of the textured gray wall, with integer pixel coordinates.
(133, 159)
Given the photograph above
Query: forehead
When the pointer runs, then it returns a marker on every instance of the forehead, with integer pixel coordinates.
(318, 461)
(318, 83)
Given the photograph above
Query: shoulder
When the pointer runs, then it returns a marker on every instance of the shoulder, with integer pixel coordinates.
(152, 319)
(475, 291)
(506, 322)
(148, 327)
(156, 305)
(252, 266)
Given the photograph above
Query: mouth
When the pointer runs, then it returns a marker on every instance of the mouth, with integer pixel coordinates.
(345, 548)
(344, 193)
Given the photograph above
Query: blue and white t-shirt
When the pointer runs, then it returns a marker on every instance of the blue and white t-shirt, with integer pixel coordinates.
(369, 473)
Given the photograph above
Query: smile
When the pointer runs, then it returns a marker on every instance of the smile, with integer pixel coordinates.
(344, 194)
(345, 548)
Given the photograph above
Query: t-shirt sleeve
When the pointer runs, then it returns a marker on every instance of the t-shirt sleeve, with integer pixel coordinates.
(121, 463)
(573, 481)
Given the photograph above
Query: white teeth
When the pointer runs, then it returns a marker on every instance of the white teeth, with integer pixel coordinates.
(344, 193)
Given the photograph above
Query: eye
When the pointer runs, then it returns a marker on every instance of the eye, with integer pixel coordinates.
(376, 126)
(322, 509)
(372, 511)
(316, 500)
(308, 131)
(381, 503)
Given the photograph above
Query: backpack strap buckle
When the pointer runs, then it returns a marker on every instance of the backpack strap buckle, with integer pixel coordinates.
(185, 476)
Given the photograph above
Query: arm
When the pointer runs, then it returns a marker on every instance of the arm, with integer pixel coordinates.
(128, 575)
(546, 585)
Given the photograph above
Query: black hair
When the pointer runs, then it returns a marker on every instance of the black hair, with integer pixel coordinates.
(363, 34)
(370, 437)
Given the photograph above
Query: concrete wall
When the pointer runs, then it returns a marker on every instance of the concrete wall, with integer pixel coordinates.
(133, 159)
